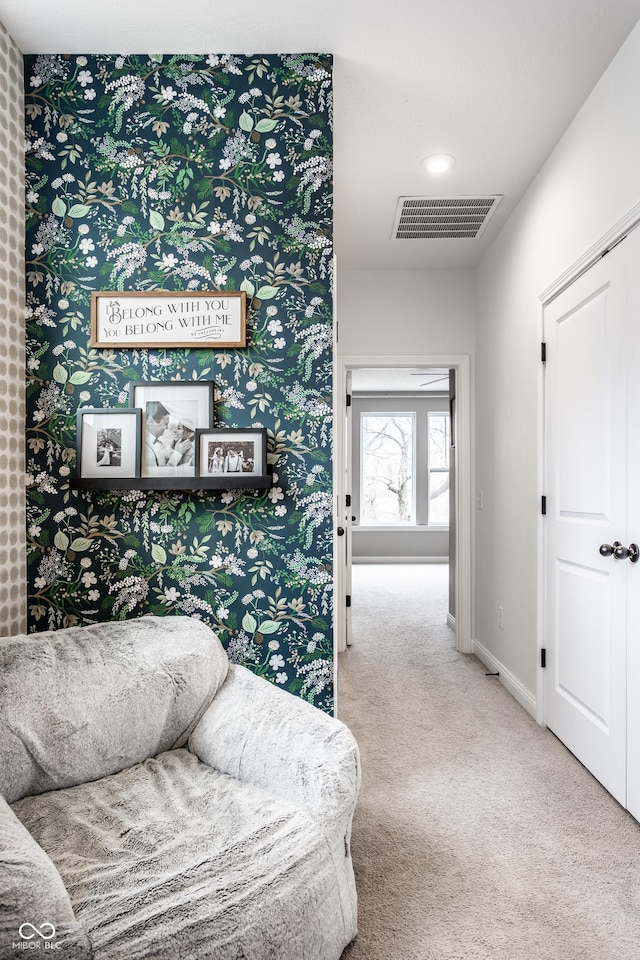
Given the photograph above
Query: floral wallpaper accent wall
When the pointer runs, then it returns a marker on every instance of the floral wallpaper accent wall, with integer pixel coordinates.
(185, 173)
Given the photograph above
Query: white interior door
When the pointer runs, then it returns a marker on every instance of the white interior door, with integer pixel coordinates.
(586, 487)
(342, 515)
(633, 529)
(348, 544)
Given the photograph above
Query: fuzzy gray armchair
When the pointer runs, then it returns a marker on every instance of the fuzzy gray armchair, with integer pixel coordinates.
(157, 801)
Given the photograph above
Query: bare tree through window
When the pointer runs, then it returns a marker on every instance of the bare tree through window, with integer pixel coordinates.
(387, 468)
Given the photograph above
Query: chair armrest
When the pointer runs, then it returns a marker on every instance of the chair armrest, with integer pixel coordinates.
(260, 734)
(32, 893)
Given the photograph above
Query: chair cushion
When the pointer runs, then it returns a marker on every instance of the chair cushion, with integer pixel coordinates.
(82, 703)
(32, 895)
(258, 732)
(172, 858)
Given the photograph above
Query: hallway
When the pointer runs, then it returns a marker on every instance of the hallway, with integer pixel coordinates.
(477, 835)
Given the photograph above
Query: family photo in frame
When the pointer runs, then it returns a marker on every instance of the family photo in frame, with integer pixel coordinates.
(231, 452)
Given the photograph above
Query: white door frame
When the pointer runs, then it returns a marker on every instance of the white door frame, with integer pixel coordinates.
(605, 243)
(463, 486)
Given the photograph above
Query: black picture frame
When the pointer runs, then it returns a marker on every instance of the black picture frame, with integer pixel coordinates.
(172, 412)
(108, 442)
(231, 452)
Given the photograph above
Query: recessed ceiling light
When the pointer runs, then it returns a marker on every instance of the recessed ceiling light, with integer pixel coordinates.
(438, 163)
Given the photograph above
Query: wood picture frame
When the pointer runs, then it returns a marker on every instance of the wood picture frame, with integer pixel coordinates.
(156, 319)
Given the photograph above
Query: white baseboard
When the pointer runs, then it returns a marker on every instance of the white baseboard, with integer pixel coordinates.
(451, 620)
(507, 679)
(400, 559)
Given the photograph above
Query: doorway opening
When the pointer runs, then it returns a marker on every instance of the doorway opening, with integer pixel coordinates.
(369, 378)
(402, 471)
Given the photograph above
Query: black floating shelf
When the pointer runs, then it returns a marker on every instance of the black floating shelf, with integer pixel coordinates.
(244, 482)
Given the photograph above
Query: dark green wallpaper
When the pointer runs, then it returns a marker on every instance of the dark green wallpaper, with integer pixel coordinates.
(186, 173)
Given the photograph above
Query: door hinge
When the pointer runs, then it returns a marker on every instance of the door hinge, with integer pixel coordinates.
(543, 352)
(348, 598)
(543, 506)
(614, 245)
(543, 658)
(348, 399)
(348, 499)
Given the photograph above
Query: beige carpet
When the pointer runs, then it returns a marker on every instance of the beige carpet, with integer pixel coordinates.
(477, 835)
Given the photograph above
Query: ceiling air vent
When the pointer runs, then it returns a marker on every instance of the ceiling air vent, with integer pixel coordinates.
(440, 218)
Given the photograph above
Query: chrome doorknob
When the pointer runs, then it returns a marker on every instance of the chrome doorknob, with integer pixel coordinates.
(627, 553)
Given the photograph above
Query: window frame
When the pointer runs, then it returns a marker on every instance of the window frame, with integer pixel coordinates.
(438, 470)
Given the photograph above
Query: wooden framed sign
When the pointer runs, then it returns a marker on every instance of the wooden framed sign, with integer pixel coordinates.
(167, 318)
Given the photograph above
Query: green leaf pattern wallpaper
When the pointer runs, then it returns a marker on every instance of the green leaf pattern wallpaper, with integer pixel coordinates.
(185, 173)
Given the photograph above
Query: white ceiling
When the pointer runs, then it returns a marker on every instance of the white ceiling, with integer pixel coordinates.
(399, 380)
(493, 82)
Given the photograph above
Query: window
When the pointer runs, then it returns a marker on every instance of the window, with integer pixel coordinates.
(387, 475)
(438, 467)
